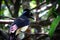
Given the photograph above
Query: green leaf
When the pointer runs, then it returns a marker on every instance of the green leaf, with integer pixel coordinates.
(47, 1)
(58, 2)
(50, 12)
(41, 1)
(53, 26)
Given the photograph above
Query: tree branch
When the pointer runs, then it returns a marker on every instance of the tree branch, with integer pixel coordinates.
(8, 6)
(16, 8)
(6, 21)
(4, 35)
(38, 5)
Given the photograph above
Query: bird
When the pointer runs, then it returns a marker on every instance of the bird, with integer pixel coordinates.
(21, 21)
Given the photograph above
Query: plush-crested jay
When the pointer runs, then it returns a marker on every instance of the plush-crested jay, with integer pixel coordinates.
(21, 21)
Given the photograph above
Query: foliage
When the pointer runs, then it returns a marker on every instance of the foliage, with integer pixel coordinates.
(54, 25)
(15, 9)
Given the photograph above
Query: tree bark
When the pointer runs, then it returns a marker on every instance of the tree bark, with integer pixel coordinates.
(16, 8)
(37, 17)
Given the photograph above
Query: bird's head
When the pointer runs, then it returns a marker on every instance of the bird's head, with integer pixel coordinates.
(27, 13)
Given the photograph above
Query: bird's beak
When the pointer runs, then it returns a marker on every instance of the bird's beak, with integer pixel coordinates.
(32, 16)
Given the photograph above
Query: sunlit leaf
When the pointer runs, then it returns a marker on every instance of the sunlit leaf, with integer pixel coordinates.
(54, 25)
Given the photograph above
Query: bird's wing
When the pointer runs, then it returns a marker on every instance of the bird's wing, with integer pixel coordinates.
(20, 22)
(16, 24)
